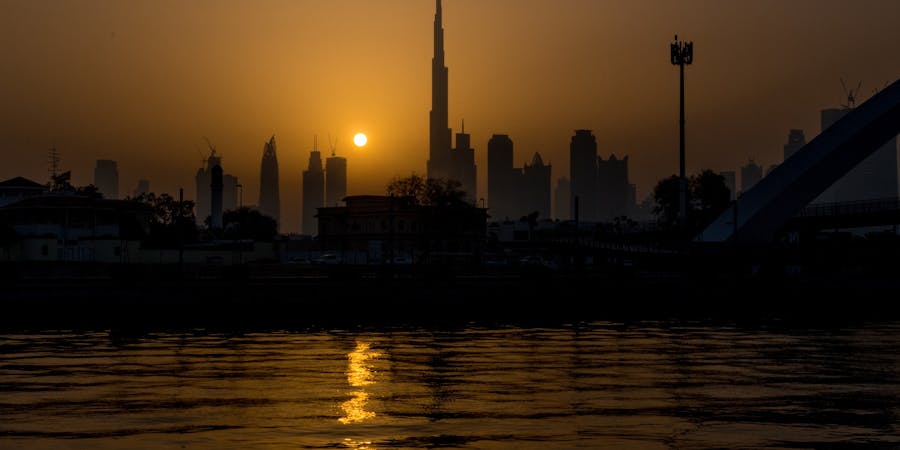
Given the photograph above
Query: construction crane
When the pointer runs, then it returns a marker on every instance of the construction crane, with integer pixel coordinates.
(851, 94)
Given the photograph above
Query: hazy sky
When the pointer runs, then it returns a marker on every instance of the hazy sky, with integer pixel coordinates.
(143, 81)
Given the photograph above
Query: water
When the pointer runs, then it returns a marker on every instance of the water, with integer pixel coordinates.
(599, 385)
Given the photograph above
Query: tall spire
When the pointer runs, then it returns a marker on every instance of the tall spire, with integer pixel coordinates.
(438, 35)
(439, 148)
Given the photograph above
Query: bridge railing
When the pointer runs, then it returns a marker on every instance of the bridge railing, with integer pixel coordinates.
(850, 208)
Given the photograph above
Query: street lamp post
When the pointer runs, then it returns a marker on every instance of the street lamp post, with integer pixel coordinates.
(682, 54)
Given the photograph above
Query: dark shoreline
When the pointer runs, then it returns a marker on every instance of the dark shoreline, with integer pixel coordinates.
(236, 299)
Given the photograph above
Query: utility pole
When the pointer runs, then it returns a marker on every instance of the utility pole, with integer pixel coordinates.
(682, 54)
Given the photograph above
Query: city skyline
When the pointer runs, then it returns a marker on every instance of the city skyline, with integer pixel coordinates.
(594, 65)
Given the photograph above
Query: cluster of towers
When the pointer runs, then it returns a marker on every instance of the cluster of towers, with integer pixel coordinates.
(601, 186)
(216, 191)
(321, 188)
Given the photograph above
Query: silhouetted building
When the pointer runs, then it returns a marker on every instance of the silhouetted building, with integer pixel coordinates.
(215, 209)
(796, 141)
(873, 178)
(583, 175)
(770, 169)
(443, 161)
(313, 192)
(463, 165)
(269, 200)
(67, 227)
(501, 178)
(439, 159)
(335, 180)
(561, 199)
(106, 178)
(535, 190)
(204, 188)
(377, 229)
(143, 187)
(18, 188)
(613, 187)
(750, 175)
(730, 182)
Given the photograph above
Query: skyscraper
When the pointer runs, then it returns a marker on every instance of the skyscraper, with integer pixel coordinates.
(730, 178)
(583, 175)
(444, 161)
(535, 190)
(501, 190)
(439, 159)
(313, 192)
(204, 183)
(269, 202)
(229, 193)
(143, 187)
(463, 165)
(613, 187)
(106, 178)
(561, 199)
(204, 180)
(750, 175)
(873, 178)
(335, 180)
(215, 208)
(796, 141)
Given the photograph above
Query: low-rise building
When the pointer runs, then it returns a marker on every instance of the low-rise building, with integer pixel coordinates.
(374, 229)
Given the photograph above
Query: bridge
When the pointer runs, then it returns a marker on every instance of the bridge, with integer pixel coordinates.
(844, 215)
(767, 207)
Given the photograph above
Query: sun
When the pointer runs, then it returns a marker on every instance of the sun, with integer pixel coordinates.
(360, 139)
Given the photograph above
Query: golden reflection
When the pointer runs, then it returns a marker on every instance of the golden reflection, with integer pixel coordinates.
(359, 374)
(355, 409)
(360, 445)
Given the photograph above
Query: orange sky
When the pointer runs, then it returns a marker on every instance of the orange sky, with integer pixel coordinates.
(143, 81)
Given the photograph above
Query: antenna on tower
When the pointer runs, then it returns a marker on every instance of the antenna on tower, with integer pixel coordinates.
(331, 144)
(851, 94)
(315, 142)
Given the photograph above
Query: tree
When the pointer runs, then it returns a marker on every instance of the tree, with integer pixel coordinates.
(711, 196)
(665, 194)
(707, 197)
(412, 186)
(246, 223)
(170, 220)
(89, 191)
(440, 192)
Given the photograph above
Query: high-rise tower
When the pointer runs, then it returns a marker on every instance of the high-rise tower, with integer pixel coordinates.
(215, 187)
(313, 192)
(439, 159)
(501, 178)
(269, 203)
(204, 193)
(335, 180)
(583, 175)
(106, 178)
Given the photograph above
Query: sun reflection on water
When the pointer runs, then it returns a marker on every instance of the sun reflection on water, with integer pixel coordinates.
(359, 374)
